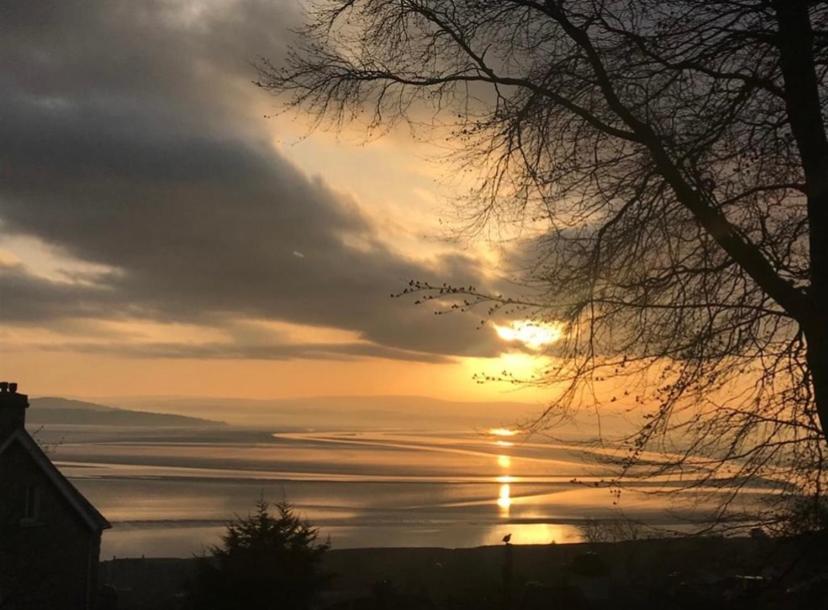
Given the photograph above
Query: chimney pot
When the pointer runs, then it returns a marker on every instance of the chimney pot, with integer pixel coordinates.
(12, 409)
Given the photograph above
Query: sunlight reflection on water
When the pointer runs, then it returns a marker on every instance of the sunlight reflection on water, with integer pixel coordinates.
(504, 500)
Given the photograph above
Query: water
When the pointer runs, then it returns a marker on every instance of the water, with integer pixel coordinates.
(168, 493)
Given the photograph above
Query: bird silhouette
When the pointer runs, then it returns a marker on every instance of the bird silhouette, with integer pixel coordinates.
(507, 538)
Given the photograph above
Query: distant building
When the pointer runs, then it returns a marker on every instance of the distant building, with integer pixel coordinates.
(50, 535)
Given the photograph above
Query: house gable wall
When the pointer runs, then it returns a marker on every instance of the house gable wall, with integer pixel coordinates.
(50, 559)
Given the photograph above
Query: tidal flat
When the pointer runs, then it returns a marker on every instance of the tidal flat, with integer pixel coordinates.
(169, 492)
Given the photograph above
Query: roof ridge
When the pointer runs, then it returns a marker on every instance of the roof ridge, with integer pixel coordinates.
(85, 509)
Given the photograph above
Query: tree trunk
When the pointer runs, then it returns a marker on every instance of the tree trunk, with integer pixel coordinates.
(795, 41)
(818, 367)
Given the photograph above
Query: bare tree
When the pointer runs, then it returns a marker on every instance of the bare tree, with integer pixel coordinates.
(675, 151)
(599, 531)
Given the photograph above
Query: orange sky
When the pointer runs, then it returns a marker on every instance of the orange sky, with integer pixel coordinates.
(89, 376)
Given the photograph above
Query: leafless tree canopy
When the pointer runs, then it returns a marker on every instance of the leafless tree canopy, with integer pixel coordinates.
(675, 150)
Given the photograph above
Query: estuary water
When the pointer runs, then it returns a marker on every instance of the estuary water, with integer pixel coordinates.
(170, 492)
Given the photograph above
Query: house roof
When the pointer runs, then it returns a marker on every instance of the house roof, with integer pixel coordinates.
(84, 509)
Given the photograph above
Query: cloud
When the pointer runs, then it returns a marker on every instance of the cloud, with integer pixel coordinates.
(237, 351)
(25, 298)
(128, 142)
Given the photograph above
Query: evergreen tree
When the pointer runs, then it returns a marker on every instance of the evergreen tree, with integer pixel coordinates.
(266, 560)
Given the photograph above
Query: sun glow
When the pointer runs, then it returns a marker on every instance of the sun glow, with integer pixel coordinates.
(534, 335)
(502, 432)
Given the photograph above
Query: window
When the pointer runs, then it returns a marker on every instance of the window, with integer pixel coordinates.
(31, 506)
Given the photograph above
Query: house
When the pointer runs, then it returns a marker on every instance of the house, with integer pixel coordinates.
(50, 535)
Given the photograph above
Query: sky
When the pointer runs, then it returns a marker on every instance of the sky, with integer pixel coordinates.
(166, 230)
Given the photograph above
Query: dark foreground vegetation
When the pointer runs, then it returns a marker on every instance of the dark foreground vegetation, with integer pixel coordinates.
(660, 574)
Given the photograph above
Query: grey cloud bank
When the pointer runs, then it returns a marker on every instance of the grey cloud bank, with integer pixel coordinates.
(127, 143)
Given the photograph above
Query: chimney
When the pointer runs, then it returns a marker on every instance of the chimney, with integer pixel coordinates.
(12, 409)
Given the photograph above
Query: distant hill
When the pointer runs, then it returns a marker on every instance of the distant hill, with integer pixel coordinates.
(376, 412)
(54, 410)
(344, 412)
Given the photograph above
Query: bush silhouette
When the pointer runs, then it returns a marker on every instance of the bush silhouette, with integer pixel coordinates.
(267, 560)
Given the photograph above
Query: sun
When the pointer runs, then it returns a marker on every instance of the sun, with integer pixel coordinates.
(534, 335)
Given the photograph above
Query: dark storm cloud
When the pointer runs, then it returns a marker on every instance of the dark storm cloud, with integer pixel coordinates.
(126, 144)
